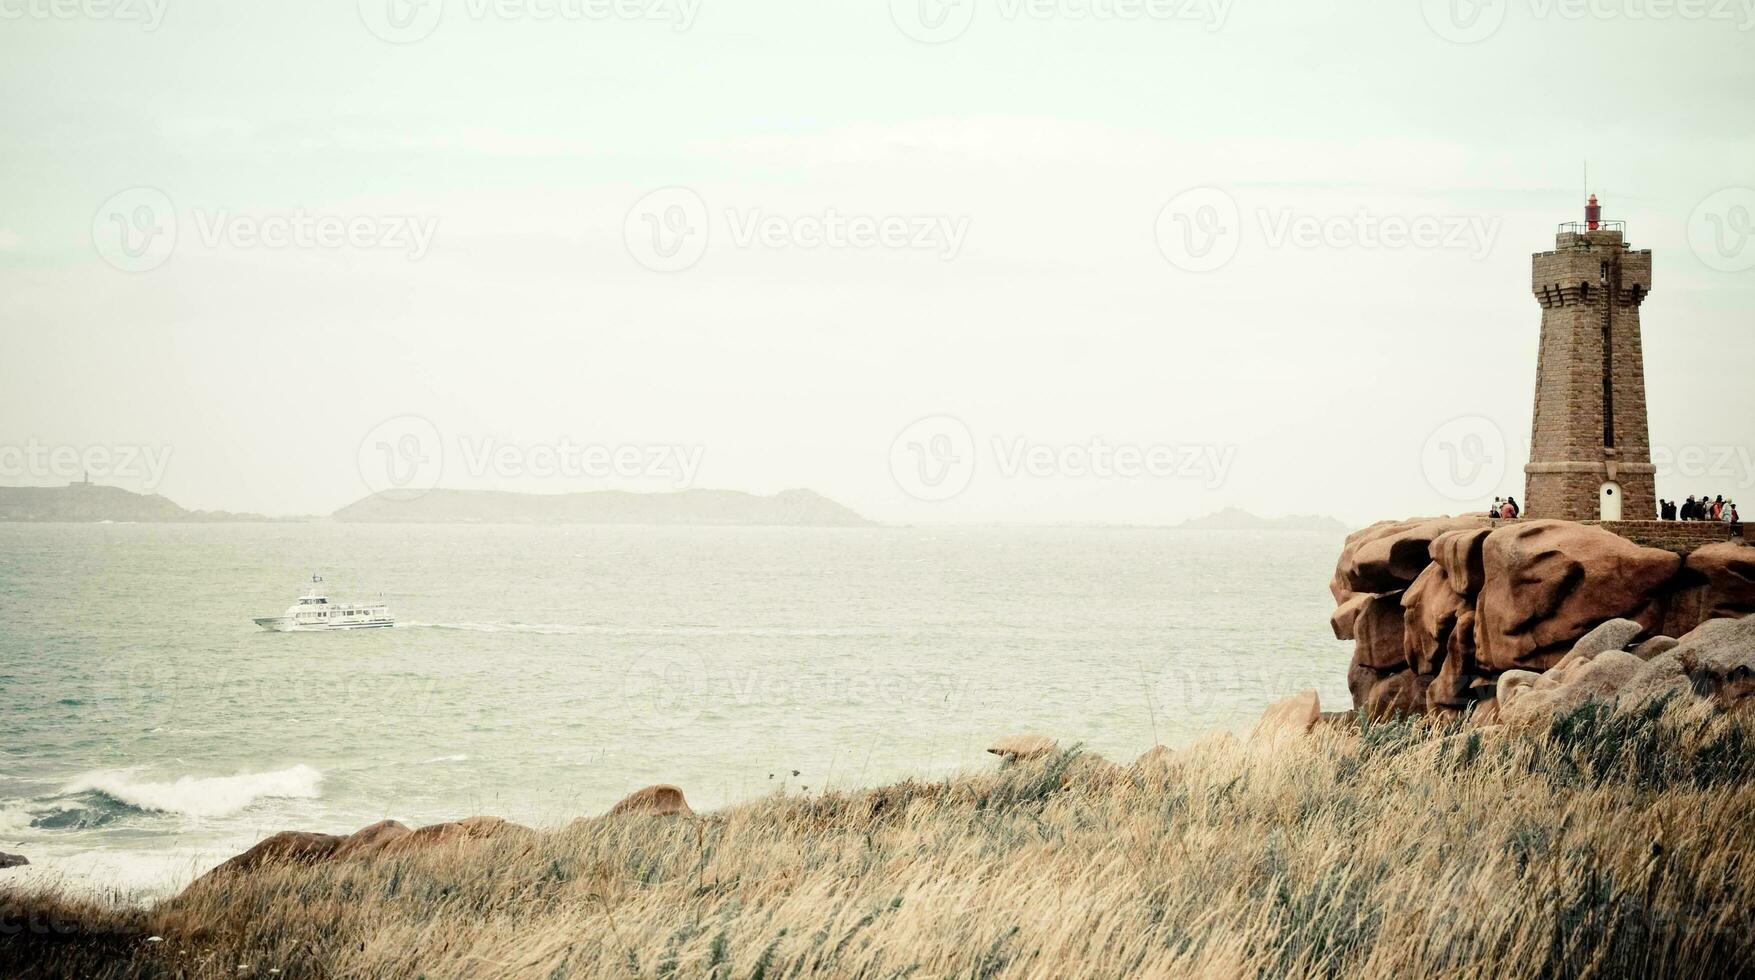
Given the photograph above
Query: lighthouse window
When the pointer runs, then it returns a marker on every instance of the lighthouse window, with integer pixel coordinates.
(1605, 272)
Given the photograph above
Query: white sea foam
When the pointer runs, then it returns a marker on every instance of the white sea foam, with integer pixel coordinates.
(14, 819)
(202, 796)
(131, 876)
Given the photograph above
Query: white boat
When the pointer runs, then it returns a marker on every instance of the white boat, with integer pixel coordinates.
(316, 611)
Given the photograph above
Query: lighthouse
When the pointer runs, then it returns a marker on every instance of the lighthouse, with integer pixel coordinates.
(1590, 448)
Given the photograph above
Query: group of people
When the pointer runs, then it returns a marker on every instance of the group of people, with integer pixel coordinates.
(1702, 509)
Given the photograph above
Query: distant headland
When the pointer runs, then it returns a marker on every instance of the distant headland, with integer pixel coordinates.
(92, 503)
(86, 503)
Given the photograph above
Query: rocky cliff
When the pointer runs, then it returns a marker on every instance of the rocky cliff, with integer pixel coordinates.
(1442, 610)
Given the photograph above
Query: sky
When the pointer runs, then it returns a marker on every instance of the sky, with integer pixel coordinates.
(995, 261)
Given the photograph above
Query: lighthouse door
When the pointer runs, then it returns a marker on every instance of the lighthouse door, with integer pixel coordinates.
(1611, 501)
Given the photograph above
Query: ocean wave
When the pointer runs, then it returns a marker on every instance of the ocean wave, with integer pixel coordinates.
(199, 796)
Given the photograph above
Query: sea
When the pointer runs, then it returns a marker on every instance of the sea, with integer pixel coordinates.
(149, 729)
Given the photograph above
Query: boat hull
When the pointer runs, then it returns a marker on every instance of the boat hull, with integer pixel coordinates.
(283, 624)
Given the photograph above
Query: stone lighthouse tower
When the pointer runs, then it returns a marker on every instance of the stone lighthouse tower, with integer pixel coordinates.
(1590, 452)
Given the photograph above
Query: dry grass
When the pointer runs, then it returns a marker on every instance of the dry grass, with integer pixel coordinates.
(1610, 845)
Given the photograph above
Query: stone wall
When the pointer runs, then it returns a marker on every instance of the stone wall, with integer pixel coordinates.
(1682, 537)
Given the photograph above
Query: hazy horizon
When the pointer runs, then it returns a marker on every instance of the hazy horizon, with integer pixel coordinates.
(966, 261)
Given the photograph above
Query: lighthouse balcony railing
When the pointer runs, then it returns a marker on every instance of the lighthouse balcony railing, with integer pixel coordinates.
(1580, 227)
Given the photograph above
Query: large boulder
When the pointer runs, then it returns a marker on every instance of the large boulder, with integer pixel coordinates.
(1548, 583)
(1015, 747)
(1398, 694)
(1603, 677)
(1388, 556)
(1346, 614)
(1459, 554)
(1295, 715)
(1345, 582)
(1157, 759)
(370, 840)
(289, 847)
(1378, 642)
(1361, 679)
(1431, 609)
(1616, 634)
(1719, 658)
(1457, 686)
(457, 831)
(12, 860)
(1717, 582)
(1656, 645)
(662, 800)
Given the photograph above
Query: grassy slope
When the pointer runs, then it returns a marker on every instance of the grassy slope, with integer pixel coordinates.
(1612, 845)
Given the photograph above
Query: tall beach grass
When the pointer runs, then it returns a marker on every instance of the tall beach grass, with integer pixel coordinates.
(1606, 845)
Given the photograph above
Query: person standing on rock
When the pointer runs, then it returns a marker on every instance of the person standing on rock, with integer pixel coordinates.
(1688, 509)
(1498, 505)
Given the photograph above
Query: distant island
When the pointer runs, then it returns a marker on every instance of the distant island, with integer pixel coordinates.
(1235, 519)
(87, 503)
(793, 508)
